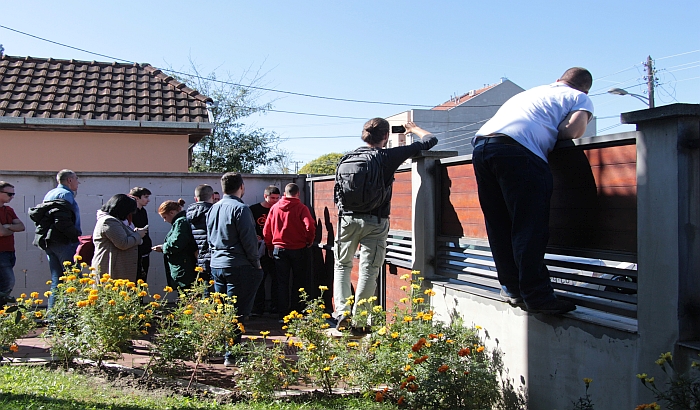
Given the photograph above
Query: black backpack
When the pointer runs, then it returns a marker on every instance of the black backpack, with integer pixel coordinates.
(359, 181)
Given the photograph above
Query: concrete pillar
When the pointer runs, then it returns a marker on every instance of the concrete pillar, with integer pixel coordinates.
(668, 220)
(424, 209)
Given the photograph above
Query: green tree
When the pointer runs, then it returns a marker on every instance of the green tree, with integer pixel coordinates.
(323, 165)
(232, 146)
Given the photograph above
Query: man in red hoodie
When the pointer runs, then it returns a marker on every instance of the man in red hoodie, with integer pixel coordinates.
(289, 232)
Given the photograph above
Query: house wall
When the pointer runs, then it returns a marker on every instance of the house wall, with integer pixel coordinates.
(93, 151)
(32, 270)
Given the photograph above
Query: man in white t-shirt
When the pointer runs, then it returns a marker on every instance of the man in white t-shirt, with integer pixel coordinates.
(515, 183)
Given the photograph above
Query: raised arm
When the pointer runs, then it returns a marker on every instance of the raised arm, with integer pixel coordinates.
(574, 125)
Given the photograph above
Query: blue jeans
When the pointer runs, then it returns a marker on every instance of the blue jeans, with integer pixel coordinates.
(57, 254)
(7, 275)
(241, 282)
(515, 188)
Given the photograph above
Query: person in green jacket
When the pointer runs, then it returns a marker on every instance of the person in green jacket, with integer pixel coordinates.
(179, 248)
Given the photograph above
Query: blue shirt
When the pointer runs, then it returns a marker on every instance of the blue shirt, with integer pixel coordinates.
(231, 234)
(62, 192)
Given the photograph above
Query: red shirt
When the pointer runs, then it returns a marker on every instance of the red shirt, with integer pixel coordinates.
(289, 225)
(7, 215)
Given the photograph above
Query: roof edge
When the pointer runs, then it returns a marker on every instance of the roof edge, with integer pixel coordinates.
(82, 123)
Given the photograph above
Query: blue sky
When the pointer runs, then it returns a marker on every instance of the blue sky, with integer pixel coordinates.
(407, 52)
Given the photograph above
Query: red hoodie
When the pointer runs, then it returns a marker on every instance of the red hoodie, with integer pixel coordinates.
(289, 225)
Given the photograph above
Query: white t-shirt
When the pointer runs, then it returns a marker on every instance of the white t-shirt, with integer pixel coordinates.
(532, 117)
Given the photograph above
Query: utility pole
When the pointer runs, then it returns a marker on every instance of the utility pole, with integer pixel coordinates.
(296, 166)
(651, 79)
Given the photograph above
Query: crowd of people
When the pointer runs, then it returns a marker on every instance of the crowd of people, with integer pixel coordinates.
(238, 247)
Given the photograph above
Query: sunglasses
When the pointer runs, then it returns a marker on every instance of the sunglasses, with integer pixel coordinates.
(10, 194)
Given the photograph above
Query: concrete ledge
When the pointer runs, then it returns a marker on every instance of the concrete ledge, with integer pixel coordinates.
(11, 120)
(661, 113)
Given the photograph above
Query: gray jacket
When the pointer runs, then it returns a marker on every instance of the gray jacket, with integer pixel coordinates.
(231, 234)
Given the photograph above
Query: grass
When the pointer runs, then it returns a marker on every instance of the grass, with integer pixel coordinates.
(35, 388)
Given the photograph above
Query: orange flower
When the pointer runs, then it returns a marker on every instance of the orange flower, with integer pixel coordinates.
(401, 401)
(480, 349)
(14, 347)
(379, 397)
(412, 387)
(464, 352)
(420, 360)
(419, 344)
(443, 368)
(411, 378)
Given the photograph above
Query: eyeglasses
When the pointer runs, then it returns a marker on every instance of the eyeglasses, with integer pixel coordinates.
(10, 194)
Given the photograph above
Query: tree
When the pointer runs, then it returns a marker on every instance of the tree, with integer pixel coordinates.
(323, 165)
(281, 165)
(232, 146)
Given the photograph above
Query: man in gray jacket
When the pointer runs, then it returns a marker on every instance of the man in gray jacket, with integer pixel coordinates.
(235, 265)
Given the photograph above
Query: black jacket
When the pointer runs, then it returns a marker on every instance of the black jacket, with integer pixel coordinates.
(197, 217)
(55, 223)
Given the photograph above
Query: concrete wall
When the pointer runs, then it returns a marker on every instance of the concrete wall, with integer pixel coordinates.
(93, 151)
(32, 271)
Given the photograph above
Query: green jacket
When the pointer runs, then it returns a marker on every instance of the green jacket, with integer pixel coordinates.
(180, 253)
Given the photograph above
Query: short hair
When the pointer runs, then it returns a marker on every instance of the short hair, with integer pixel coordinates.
(120, 206)
(231, 182)
(203, 192)
(63, 175)
(579, 78)
(4, 185)
(375, 130)
(169, 205)
(272, 190)
(291, 189)
(139, 191)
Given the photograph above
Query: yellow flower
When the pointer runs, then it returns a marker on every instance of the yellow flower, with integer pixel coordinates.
(394, 335)
(407, 368)
(429, 292)
(405, 276)
(167, 289)
(71, 290)
(326, 316)
(47, 293)
(382, 331)
(311, 347)
(93, 297)
(23, 295)
(276, 341)
(353, 344)
(407, 319)
(144, 285)
(403, 300)
(427, 317)
(414, 286)
(92, 268)
(324, 288)
(404, 287)
(76, 270)
(325, 326)
(660, 362)
(38, 314)
(200, 279)
(142, 293)
(264, 333)
(363, 313)
(34, 294)
(104, 280)
(199, 269)
(301, 290)
(480, 349)
(187, 312)
(477, 327)
(377, 309)
(48, 282)
(418, 300)
(145, 332)
(123, 293)
(106, 275)
(83, 265)
(77, 258)
(112, 302)
(66, 263)
(82, 303)
(211, 282)
(326, 369)
(587, 381)
(241, 327)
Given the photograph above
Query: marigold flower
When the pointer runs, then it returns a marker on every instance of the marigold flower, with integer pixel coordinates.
(322, 287)
(66, 263)
(412, 387)
(38, 314)
(264, 333)
(77, 258)
(403, 385)
(327, 369)
(241, 327)
(326, 316)
(187, 312)
(419, 344)
(414, 286)
(325, 326)
(443, 368)
(142, 293)
(420, 360)
(429, 292)
(93, 298)
(70, 290)
(144, 285)
(464, 352)
(405, 276)
(200, 279)
(14, 348)
(480, 349)
(353, 344)
(363, 313)
(38, 301)
(407, 368)
(404, 288)
(145, 332)
(211, 282)
(407, 319)
(48, 282)
(379, 397)
(587, 381)
(112, 302)
(34, 294)
(82, 303)
(427, 317)
(403, 300)
(23, 295)
(123, 293)
(394, 335)
(199, 269)
(401, 401)
(167, 289)
(156, 296)
(301, 290)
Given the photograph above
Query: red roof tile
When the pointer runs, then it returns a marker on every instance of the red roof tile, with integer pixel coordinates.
(464, 98)
(49, 88)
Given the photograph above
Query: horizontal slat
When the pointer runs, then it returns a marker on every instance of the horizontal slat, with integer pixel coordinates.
(467, 270)
(621, 297)
(407, 242)
(465, 251)
(399, 262)
(601, 304)
(593, 280)
(593, 268)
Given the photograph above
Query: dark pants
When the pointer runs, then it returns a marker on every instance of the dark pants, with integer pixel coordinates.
(57, 254)
(296, 262)
(142, 264)
(7, 276)
(515, 188)
(240, 282)
(269, 270)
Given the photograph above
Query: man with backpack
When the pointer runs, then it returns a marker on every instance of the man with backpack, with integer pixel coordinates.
(363, 184)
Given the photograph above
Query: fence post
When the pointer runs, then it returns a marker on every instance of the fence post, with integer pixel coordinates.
(668, 221)
(424, 210)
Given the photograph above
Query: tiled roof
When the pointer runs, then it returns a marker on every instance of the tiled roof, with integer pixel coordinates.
(464, 98)
(81, 90)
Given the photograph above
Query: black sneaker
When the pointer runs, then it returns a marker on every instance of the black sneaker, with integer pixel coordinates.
(511, 299)
(360, 331)
(553, 307)
(343, 324)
